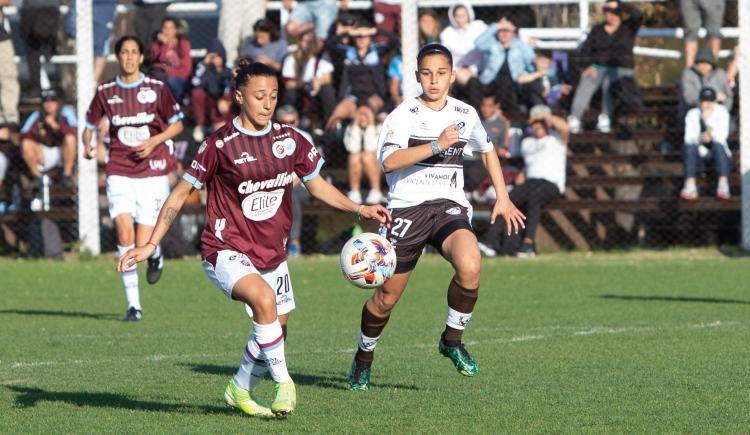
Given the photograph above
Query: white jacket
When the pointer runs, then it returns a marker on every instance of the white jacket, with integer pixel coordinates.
(717, 121)
(461, 41)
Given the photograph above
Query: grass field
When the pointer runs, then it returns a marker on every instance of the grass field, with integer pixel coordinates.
(572, 343)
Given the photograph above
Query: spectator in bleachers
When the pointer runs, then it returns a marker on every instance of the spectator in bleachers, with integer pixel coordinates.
(3, 170)
(363, 79)
(266, 45)
(395, 80)
(543, 85)
(543, 180)
(9, 87)
(361, 141)
(476, 181)
(608, 52)
(705, 72)
(467, 59)
(507, 58)
(429, 26)
(317, 15)
(706, 132)
(387, 15)
(103, 12)
(170, 52)
(308, 78)
(697, 14)
(148, 18)
(211, 96)
(48, 140)
(236, 20)
(40, 20)
(732, 70)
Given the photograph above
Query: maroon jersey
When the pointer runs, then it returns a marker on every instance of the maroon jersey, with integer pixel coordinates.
(40, 130)
(136, 111)
(249, 186)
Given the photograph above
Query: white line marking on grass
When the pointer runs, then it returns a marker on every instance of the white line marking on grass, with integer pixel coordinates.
(607, 330)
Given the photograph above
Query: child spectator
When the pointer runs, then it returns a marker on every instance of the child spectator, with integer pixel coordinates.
(211, 96)
(705, 72)
(706, 131)
(709, 14)
(308, 78)
(542, 86)
(361, 141)
(48, 140)
(467, 59)
(608, 52)
(429, 26)
(266, 45)
(170, 53)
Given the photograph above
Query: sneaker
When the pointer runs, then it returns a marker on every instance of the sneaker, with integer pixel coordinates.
(526, 251)
(574, 124)
(286, 398)
(485, 250)
(464, 363)
(691, 193)
(722, 192)
(359, 376)
(293, 250)
(374, 197)
(355, 196)
(603, 124)
(155, 266)
(245, 402)
(198, 134)
(132, 315)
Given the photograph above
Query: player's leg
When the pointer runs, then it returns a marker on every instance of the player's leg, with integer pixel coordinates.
(151, 194)
(125, 228)
(31, 151)
(461, 250)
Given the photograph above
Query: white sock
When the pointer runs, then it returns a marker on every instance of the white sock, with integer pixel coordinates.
(690, 184)
(157, 252)
(252, 369)
(367, 344)
(130, 281)
(270, 338)
(457, 320)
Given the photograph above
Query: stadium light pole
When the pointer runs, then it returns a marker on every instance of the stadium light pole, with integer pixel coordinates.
(409, 47)
(743, 65)
(88, 194)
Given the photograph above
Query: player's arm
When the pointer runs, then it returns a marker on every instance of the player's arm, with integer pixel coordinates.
(89, 151)
(148, 145)
(327, 193)
(167, 215)
(406, 157)
(503, 205)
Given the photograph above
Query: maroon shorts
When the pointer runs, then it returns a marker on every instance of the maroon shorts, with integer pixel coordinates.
(429, 222)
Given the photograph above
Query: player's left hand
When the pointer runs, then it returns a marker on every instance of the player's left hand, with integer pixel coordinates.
(377, 212)
(144, 148)
(513, 217)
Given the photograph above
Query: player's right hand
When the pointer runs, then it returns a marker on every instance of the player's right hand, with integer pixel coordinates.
(448, 137)
(89, 152)
(134, 256)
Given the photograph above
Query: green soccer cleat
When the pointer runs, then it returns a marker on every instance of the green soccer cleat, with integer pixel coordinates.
(464, 363)
(286, 398)
(359, 377)
(244, 401)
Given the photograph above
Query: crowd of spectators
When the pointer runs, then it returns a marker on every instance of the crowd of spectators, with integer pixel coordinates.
(340, 73)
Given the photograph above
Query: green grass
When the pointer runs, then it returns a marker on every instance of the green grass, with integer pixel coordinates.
(572, 343)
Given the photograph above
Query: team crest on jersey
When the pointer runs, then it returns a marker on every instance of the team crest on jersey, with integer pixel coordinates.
(202, 147)
(146, 96)
(461, 126)
(158, 165)
(276, 126)
(219, 144)
(284, 148)
(115, 99)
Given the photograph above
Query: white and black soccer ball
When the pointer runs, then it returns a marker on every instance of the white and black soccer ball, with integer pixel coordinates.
(368, 260)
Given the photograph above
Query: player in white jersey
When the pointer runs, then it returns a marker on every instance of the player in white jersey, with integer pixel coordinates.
(421, 149)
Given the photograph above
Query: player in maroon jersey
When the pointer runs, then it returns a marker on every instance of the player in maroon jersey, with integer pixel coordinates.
(248, 167)
(143, 119)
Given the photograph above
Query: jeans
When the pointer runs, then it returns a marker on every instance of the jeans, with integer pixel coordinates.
(694, 163)
(588, 86)
(177, 86)
(321, 12)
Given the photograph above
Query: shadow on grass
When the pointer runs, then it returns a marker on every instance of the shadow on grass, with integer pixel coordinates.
(28, 397)
(98, 316)
(675, 299)
(322, 380)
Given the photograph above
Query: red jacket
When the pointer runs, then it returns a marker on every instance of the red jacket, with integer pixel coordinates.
(175, 60)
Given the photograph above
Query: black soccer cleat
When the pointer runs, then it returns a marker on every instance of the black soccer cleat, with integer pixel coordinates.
(133, 315)
(155, 266)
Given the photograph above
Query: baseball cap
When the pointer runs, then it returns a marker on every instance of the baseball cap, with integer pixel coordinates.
(540, 110)
(707, 93)
(50, 94)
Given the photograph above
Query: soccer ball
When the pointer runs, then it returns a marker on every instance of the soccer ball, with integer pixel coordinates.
(368, 260)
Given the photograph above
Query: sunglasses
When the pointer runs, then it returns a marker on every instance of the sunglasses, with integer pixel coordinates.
(610, 10)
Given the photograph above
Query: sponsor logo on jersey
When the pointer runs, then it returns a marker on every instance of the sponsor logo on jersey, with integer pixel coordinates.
(232, 257)
(454, 151)
(244, 158)
(463, 110)
(453, 211)
(138, 118)
(389, 135)
(311, 155)
(284, 148)
(463, 320)
(281, 136)
(115, 99)
(414, 109)
(202, 147)
(133, 136)
(197, 166)
(250, 186)
(146, 96)
(488, 139)
(245, 262)
(262, 205)
(158, 165)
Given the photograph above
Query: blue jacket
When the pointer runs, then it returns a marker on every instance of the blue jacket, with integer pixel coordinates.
(520, 57)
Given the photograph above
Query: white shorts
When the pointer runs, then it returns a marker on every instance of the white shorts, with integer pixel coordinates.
(232, 265)
(52, 158)
(141, 198)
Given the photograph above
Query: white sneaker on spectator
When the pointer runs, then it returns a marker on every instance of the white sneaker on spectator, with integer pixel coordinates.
(574, 124)
(198, 134)
(690, 193)
(374, 197)
(722, 191)
(485, 250)
(603, 124)
(355, 196)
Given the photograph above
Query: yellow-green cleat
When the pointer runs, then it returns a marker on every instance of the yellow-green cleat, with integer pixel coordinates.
(461, 359)
(244, 401)
(286, 398)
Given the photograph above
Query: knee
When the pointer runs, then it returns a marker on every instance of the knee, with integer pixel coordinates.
(125, 235)
(468, 272)
(383, 303)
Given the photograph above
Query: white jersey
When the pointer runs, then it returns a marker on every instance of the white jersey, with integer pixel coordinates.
(438, 177)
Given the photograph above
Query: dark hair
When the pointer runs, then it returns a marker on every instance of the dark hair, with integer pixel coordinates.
(434, 48)
(174, 21)
(120, 42)
(268, 26)
(246, 69)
